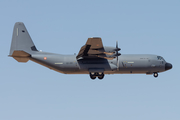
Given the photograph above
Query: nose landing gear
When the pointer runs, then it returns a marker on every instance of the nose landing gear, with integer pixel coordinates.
(155, 74)
(93, 76)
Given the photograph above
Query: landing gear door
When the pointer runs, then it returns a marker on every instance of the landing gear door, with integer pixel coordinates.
(96, 70)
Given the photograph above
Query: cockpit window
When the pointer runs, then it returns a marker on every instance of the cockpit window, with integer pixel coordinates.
(160, 58)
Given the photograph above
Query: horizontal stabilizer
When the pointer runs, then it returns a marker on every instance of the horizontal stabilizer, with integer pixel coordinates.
(20, 56)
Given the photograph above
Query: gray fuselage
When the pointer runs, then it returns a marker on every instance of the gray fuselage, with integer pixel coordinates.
(68, 64)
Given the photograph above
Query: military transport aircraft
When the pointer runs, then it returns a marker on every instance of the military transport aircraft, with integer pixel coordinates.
(93, 58)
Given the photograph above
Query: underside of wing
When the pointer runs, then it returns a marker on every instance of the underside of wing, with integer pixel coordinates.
(94, 49)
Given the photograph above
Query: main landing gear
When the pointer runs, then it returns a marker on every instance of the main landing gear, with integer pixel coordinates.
(93, 75)
(155, 74)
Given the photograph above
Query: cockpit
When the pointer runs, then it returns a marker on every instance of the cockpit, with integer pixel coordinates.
(160, 58)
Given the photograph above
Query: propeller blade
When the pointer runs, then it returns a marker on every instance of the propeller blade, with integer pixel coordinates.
(116, 44)
(117, 54)
(117, 48)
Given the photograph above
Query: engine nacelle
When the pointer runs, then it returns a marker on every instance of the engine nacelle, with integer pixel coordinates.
(109, 50)
(109, 57)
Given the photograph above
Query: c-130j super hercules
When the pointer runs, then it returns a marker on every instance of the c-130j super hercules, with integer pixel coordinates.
(93, 58)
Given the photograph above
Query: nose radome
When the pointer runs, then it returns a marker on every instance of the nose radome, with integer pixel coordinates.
(168, 66)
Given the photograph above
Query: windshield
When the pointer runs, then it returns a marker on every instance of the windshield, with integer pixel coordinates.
(160, 58)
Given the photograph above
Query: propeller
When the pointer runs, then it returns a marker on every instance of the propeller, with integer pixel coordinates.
(117, 54)
(117, 49)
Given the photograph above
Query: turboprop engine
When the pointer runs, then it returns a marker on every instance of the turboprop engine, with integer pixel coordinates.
(109, 52)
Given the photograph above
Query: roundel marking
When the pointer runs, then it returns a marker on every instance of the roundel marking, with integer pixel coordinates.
(45, 58)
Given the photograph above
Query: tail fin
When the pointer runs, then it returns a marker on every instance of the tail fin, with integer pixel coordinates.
(21, 45)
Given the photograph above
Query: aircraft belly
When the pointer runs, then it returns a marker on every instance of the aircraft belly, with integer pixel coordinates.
(105, 67)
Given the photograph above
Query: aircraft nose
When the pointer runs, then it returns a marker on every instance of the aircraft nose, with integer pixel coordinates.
(168, 66)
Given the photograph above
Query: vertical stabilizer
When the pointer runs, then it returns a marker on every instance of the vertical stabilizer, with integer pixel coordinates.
(21, 45)
(21, 40)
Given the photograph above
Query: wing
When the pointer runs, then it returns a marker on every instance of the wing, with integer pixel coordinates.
(94, 49)
(89, 50)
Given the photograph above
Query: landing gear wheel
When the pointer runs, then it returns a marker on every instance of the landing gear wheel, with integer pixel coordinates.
(101, 76)
(92, 76)
(155, 74)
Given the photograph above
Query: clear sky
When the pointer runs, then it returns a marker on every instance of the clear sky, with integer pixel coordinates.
(29, 91)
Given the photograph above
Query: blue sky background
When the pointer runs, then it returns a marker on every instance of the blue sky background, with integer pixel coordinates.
(32, 92)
